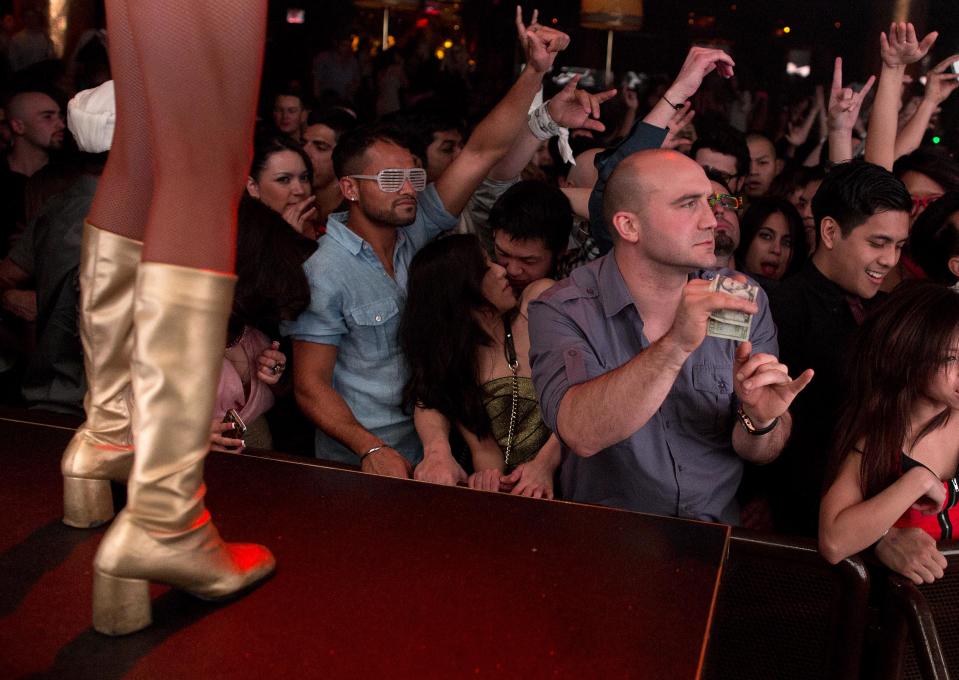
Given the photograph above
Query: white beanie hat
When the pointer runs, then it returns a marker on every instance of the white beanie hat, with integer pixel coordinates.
(91, 115)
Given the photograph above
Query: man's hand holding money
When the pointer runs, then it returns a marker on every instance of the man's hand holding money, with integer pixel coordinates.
(700, 302)
(763, 385)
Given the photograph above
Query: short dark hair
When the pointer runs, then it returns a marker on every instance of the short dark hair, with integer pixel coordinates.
(727, 140)
(854, 191)
(351, 148)
(715, 175)
(416, 128)
(756, 215)
(534, 209)
(265, 145)
(934, 164)
(934, 239)
(337, 119)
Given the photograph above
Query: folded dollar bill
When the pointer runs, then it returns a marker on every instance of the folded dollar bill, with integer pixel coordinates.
(727, 323)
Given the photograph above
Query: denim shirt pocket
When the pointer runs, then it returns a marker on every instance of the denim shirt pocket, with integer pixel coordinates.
(710, 401)
(375, 326)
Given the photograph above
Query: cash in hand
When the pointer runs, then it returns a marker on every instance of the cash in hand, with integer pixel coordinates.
(727, 323)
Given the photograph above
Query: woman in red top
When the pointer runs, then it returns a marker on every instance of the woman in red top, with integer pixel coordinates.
(897, 443)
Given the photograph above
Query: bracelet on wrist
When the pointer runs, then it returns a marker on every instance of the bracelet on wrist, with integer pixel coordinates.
(675, 106)
(373, 450)
(541, 124)
(750, 427)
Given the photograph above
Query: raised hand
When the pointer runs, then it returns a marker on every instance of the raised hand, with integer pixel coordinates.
(573, 108)
(680, 119)
(540, 43)
(901, 47)
(939, 83)
(700, 62)
(763, 385)
(844, 102)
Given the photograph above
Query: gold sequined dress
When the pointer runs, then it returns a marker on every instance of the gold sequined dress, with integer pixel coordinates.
(530, 432)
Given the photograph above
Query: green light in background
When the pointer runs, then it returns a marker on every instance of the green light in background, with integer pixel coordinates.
(936, 140)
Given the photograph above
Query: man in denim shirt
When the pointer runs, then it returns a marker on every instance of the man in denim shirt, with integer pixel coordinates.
(349, 372)
(624, 371)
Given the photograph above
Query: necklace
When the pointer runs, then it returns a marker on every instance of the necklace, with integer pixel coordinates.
(513, 363)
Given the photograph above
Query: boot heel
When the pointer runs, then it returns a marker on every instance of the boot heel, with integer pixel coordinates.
(87, 503)
(120, 605)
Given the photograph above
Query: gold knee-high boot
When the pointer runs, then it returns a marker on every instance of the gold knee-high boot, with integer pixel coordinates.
(165, 534)
(102, 448)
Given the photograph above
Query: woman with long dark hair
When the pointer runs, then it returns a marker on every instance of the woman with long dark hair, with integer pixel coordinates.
(771, 240)
(271, 287)
(281, 177)
(897, 439)
(467, 345)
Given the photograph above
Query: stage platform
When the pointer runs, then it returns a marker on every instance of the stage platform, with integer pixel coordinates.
(376, 578)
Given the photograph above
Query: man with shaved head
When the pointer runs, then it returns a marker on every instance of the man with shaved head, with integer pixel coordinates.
(657, 415)
(36, 127)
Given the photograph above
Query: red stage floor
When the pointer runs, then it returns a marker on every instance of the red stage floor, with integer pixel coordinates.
(376, 578)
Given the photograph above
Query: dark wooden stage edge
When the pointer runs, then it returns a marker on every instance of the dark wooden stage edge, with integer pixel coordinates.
(376, 578)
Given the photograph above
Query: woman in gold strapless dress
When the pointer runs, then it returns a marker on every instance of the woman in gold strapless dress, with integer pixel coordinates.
(466, 341)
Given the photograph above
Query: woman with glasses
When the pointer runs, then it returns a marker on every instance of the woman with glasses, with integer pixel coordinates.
(467, 346)
(771, 245)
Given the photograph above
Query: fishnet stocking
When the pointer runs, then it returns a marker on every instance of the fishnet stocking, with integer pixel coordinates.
(200, 64)
(123, 194)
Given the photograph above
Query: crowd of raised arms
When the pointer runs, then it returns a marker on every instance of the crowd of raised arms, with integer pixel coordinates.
(527, 304)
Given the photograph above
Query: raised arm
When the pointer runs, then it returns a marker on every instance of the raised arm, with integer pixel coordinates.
(939, 85)
(842, 114)
(571, 108)
(899, 49)
(495, 134)
(651, 131)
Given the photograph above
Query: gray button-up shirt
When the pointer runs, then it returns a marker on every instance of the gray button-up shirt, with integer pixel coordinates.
(681, 462)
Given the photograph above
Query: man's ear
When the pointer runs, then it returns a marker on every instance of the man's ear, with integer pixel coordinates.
(626, 225)
(829, 233)
(780, 164)
(18, 127)
(349, 189)
(252, 187)
(953, 265)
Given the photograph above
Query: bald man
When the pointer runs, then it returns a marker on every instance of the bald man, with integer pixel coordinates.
(36, 128)
(656, 416)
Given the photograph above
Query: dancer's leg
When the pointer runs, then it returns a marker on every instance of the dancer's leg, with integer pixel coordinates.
(126, 186)
(200, 64)
(102, 449)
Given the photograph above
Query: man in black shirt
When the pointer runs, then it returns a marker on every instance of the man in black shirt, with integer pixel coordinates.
(863, 216)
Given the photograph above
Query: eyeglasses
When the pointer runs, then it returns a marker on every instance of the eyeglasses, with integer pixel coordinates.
(725, 200)
(391, 180)
(726, 177)
(920, 203)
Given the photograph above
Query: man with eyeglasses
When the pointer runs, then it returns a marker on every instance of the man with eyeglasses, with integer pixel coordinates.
(725, 207)
(348, 369)
(722, 148)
